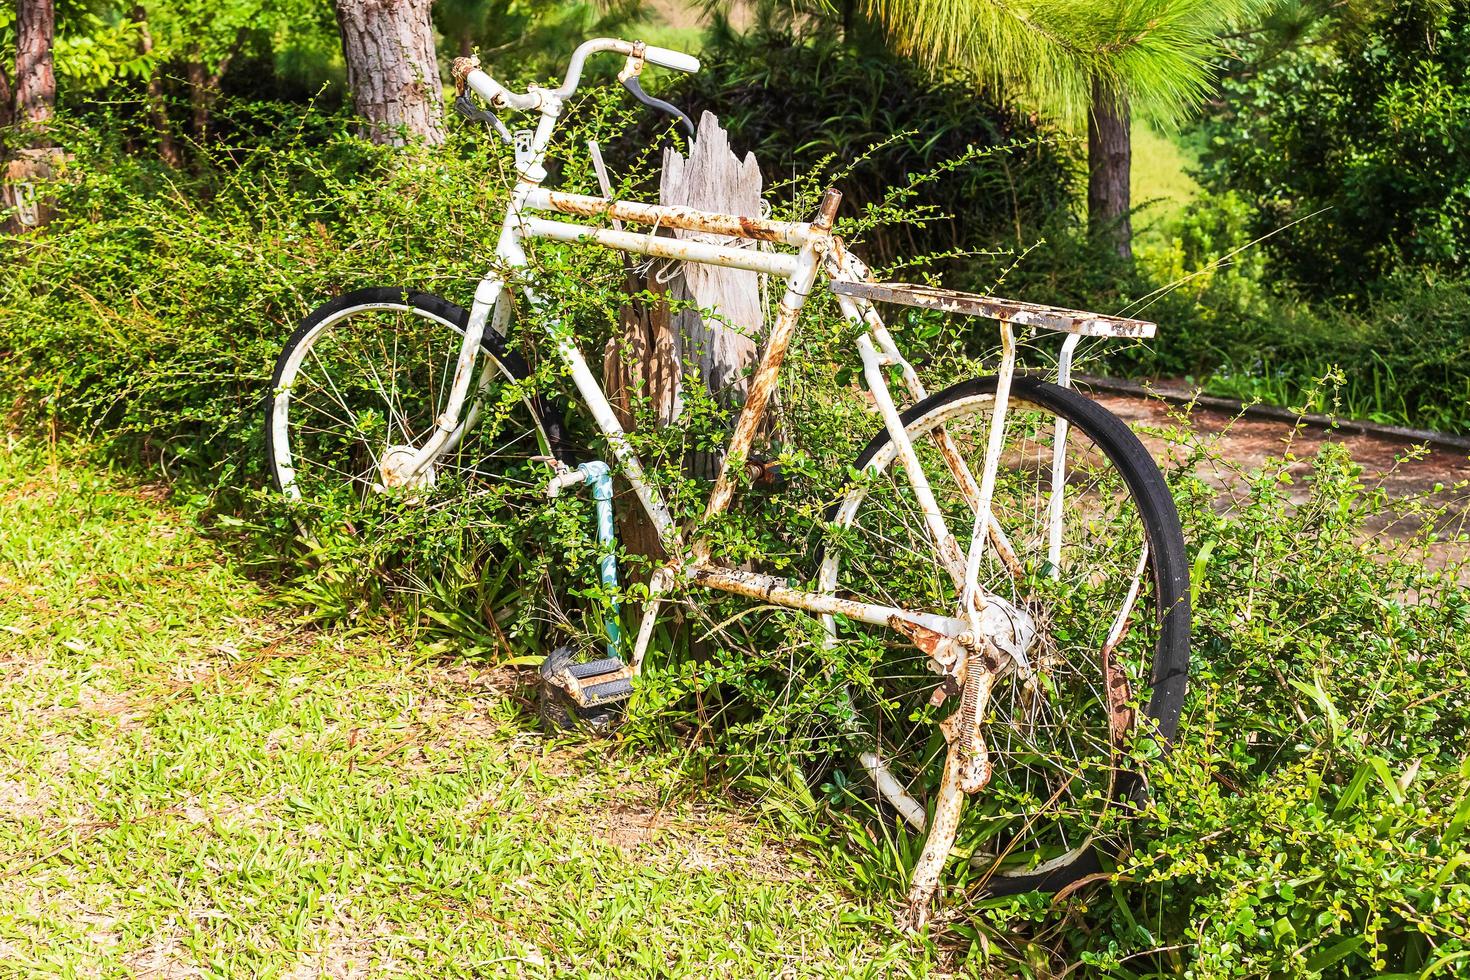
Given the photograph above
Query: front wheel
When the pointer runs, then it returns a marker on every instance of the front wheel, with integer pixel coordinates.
(360, 386)
(1096, 562)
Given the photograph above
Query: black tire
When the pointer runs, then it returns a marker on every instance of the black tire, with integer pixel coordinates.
(544, 412)
(1168, 573)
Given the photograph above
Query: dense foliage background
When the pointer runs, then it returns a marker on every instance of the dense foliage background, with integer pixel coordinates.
(1368, 130)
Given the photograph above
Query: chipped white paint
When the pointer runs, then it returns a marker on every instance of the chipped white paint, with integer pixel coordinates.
(1008, 310)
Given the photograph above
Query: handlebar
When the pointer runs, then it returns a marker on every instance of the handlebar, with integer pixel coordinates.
(666, 58)
(498, 95)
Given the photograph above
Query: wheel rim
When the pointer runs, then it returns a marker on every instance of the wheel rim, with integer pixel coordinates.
(1058, 743)
(363, 388)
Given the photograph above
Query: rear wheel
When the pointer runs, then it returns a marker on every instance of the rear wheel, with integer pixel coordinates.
(1097, 564)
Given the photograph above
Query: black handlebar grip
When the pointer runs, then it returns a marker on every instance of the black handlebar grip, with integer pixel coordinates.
(467, 108)
(632, 84)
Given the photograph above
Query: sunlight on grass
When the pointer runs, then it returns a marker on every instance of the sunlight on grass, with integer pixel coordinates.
(193, 784)
(1161, 186)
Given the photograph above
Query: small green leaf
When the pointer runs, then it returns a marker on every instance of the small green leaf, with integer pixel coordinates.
(1386, 778)
(1353, 790)
(1333, 953)
(1197, 570)
(1317, 693)
(1458, 821)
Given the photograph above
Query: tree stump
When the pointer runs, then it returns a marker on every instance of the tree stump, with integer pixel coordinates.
(660, 352)
(18, 187)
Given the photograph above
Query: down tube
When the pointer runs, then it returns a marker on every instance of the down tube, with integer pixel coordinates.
(607, 420)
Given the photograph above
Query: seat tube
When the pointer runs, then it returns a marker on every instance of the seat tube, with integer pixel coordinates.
(763, 382)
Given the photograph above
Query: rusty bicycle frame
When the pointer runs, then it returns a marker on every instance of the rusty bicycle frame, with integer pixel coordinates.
(982, 630)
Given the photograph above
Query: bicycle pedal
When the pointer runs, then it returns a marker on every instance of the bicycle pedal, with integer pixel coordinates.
(586, 693)
(599, 681)
(596, 695)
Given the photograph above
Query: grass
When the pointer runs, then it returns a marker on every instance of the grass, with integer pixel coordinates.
(193, 784)
(1160, 184)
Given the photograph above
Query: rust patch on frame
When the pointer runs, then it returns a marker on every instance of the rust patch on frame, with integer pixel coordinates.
(1115, 679)
(460, 70)
(1117, 690)
(767, 372)
(943, 650)
(967, 769)
(778, 591)
(668, 216)
(1009, 310)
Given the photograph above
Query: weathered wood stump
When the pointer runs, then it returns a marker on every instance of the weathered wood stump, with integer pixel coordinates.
(19, 191)
(661, 351)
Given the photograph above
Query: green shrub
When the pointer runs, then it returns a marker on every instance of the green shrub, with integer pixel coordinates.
(882, 124)
(1370, 127)
(1312, 821)
(1311, 818)
(150, 313)
(1402, 356)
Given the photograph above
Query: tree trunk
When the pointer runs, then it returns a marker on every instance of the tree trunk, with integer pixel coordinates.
(7, 99)
(157, 107)
(35, 105)
(204, 85)
(1109, 167)
(35, 79)
(196, 76)
(649, 362)
(391, 69)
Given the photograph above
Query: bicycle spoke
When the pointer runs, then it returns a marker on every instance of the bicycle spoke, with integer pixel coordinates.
(372, 377)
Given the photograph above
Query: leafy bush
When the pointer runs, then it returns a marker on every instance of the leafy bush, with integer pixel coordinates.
(1401, 360)
(1400, 356)
(885, 123)
(1311, 823)
(1359, 124)
(1368, 126)
(1311, 819)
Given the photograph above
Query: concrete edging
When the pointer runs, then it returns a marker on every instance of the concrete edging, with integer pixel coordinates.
(1230, 406)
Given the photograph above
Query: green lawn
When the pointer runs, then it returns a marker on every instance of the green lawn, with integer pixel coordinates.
(193, 785)
(1160, 185)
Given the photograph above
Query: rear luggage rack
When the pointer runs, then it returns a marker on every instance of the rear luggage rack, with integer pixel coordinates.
(1012, 311)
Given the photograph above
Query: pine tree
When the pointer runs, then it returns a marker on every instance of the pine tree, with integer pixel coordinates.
(1092, 60)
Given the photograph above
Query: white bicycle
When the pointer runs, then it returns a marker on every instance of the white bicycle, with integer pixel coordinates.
(1011, 562)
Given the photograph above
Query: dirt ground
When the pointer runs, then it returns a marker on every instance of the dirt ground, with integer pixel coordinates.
(1433, 475)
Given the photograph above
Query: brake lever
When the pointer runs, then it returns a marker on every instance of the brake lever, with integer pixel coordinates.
(467, 108)
(632, 84)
